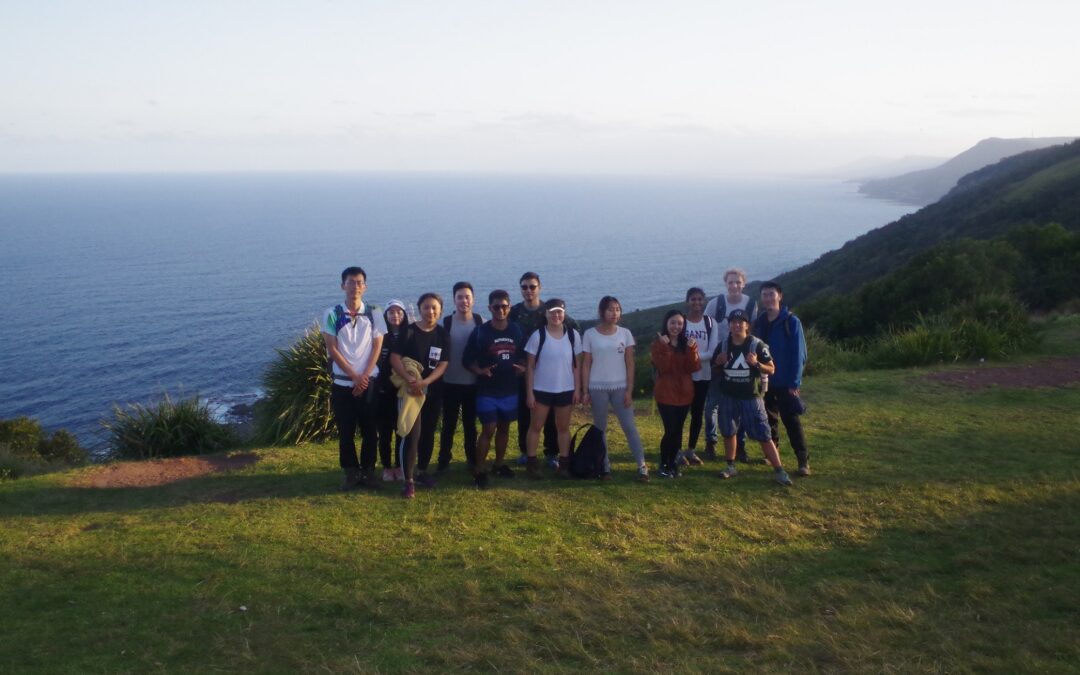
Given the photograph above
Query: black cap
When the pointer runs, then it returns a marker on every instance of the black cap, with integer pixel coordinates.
(738, 315)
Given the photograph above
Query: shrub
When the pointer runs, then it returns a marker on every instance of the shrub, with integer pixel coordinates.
(166, 429)
(25, 448)
(827, 356)
(297, 384)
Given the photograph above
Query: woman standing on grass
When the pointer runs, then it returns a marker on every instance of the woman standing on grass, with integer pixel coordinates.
(552, 381)
(607, 379)
(387, 407)
(425, 343)
(675, 358)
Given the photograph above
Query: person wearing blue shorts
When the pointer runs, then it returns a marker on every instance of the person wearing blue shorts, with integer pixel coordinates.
(743, 359)
(495, 351)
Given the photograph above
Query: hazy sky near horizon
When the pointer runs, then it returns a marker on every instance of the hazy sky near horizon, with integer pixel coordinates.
(606, 87)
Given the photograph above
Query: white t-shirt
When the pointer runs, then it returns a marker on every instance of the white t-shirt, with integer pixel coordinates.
(710, 309)
(608, 370)
(706, 343)
(554, 372)
(354, 338)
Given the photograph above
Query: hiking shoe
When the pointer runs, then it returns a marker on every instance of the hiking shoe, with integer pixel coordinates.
(780, 476)
(503, 471)
(369, 480)
(804, 471)
(729, 472)
(425, 481)
(532, 468)
(353, 478)
(643, 474)
(481, 481)
(710, 450)
(562, 467)
(409, 491)
(692, 459)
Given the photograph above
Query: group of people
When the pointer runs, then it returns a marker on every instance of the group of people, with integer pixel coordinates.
(733, 365)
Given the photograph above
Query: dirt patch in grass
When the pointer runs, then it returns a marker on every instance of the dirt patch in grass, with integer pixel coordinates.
(162, 471)
(1049, 373)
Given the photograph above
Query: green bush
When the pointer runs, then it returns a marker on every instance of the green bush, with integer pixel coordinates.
(297, 384)
(166, 429)
(26, 448)
(828, 356)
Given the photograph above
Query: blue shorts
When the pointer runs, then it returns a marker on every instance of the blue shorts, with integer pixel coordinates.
(491, 409)
(748, 413)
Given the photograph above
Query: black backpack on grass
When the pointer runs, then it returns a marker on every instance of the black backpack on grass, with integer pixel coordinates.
(587, 455)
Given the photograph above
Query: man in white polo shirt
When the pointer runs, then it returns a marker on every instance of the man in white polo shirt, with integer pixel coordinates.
(353, 333)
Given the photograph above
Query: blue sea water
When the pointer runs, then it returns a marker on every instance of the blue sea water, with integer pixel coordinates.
(118, 288)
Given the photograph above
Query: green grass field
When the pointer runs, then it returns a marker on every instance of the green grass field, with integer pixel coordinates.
(939, 533)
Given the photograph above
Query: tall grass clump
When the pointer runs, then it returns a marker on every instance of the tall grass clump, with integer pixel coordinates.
(297, 384)
(166, 429)
(991, 327)
(27, 449)
(830, 356)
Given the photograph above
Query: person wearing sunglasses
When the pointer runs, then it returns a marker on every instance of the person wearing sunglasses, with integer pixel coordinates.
(495, 353)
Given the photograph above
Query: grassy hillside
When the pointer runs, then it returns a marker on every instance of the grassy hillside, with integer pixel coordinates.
(1040, 186)
(938, 534)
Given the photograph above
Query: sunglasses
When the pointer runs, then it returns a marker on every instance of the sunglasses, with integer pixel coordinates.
(500, 308)
(529, 287)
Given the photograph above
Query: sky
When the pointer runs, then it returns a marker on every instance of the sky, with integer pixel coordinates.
(701, 88)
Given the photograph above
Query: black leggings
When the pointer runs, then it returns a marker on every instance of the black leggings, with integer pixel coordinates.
(418, 446)
(458, 397)
(386, 421)
(673, 417)
(697, 410)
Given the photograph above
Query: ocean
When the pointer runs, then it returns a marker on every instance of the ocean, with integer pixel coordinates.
(119, 288)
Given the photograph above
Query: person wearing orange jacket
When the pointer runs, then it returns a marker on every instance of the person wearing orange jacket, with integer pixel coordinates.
(675, 359)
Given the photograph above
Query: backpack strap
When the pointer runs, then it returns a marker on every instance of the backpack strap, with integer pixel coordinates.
(573, 439)
(446, 322)
(721, 308)
(708, 329)
(751, 305)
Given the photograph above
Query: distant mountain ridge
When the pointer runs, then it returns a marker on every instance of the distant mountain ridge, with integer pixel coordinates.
(1039, 186)
(929, 185)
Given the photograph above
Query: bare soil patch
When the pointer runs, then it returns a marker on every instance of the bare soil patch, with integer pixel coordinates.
(162, 471)
(1058, 372)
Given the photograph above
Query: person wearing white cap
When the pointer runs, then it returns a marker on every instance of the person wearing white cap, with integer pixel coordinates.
(387, 407)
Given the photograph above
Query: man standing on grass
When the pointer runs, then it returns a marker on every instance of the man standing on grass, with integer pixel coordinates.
(719, 308)
(744, 360)
(353, 334)
(529, 315)
(459, 383)
(783, 332)
(495, 352)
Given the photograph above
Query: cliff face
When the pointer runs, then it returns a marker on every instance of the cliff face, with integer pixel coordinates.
(929, 185)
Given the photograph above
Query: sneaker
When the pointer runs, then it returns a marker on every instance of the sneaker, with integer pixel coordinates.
(680, 459)
(643, 474)
(425, 481)
(665, 472)
(409, 491)
(692, 459)
(553, 462)
(804, 471)
(481, 481)
(729, 472)
(503, 471)
(523, 459)
(353, 478)
(780, 476)
(389, 475)
(740, 456)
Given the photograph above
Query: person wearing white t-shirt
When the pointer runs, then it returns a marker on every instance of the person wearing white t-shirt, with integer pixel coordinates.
(353, 335)
(719, 308)
(607, 379)
(702, 328)
(553, 383)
